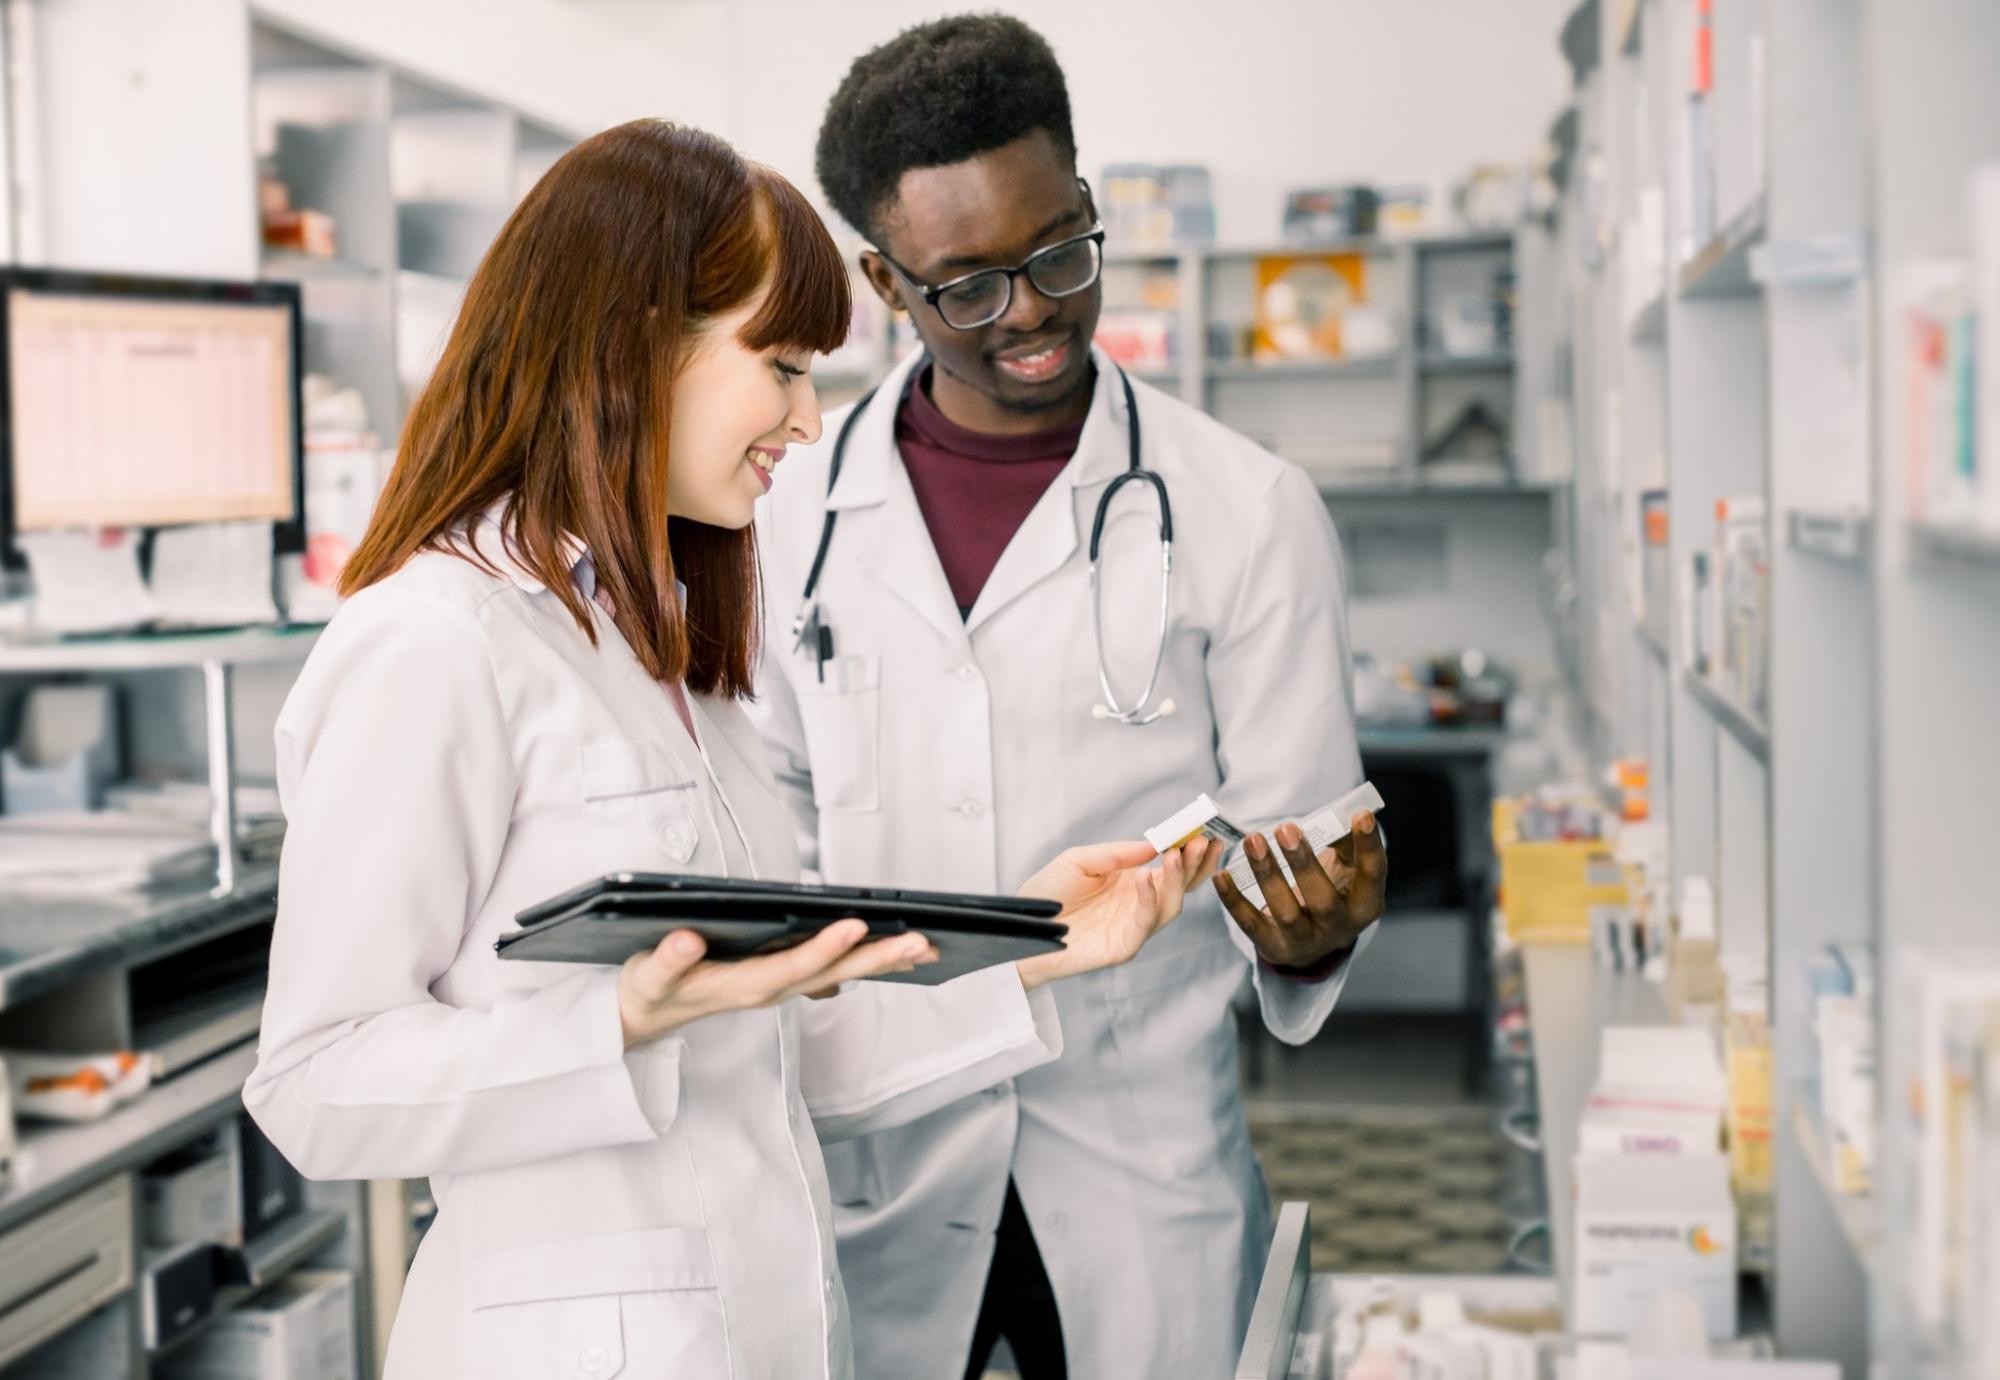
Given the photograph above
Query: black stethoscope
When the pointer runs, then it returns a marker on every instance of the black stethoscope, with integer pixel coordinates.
(810, 632)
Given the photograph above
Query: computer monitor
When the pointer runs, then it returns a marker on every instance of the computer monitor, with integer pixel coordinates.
(148, 402)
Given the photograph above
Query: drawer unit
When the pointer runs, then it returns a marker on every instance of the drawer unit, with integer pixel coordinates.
(64, 1263)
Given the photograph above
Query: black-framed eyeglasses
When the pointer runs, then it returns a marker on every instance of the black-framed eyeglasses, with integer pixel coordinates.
(982, 297)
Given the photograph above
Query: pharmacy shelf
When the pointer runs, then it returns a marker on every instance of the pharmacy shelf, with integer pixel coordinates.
(1571, 999)
(54, 1161)
(293, 266)
(1960, 543)
(158, 651)
(1527, 488)
(1838, 535)
(48, 942)
(1159, 376)
(1379, 366)
(1627, 29)
(1743, 726)
(1498, 363)
(264, 1261)
(1144, 254)
(1648, 325)
(1860, 1219)
(1721, 268)
(1651, 642)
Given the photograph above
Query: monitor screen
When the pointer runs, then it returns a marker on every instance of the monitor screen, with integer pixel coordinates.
(145, 403)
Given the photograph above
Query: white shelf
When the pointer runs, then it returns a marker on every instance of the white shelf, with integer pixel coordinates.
(1741, 724)
(265, 1261)
(158, 651)
(1839, 535)
(1439, 363)
(1651, 642)
(1721, 268)
(292, 266)
(1333, 488)
(1860, 1219)
(1648, 325)
(1954, 542)
(1375, 366)
(55, 1160)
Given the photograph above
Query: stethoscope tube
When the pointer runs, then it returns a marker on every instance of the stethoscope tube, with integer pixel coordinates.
(808, 624)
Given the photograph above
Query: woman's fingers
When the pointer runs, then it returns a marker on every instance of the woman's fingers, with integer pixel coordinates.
(883, 956)
(1102, 859)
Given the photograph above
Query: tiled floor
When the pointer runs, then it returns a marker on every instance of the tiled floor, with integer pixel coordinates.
(1371, 1123)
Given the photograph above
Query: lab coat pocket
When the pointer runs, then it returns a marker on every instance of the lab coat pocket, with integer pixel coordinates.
(1176, 1043)
(841, 717)
(638, 1303)
(641, 805)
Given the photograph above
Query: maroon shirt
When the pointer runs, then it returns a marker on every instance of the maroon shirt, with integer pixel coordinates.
(973, 489)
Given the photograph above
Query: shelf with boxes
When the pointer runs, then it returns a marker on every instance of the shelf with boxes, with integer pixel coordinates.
(1722, 247)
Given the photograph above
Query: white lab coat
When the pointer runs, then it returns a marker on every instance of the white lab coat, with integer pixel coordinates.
(454, 751)
(959, 753)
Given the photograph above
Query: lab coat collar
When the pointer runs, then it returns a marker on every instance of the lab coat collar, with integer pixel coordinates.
(871, 448)
(487, 540)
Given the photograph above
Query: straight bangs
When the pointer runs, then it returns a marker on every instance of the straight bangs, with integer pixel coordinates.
(809, 303)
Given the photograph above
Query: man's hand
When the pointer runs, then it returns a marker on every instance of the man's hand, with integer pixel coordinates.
(1338, 894)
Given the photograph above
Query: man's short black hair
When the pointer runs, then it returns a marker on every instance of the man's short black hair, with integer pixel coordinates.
(933, 95)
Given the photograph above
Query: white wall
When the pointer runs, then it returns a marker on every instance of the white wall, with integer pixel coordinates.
(562, 61)
(1271, 94)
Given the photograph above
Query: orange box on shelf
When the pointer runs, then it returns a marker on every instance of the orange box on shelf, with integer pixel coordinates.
(1548, 888)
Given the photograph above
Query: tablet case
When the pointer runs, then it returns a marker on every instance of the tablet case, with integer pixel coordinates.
(609, 919)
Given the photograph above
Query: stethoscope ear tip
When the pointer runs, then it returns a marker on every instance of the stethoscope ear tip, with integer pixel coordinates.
(1098, 711)
(1166, 708)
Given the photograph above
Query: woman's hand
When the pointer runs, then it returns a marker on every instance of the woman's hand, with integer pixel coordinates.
(1112, 902)
(671, 984)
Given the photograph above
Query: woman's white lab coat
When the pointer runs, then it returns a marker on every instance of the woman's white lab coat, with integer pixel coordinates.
(454, 751)
(949, 752)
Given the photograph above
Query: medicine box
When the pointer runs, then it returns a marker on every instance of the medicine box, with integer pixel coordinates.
(301, 1328)
(1649, 1223)
(1548, 888)
(194, 1194)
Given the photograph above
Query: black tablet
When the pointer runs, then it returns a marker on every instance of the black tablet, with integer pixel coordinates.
(608, 919)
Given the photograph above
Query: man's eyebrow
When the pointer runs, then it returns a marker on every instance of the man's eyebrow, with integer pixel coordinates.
(977, 261)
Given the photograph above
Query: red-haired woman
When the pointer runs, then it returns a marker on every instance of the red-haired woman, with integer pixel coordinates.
(537, 680)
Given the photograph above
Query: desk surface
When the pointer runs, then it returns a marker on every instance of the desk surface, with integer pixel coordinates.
(47, 942)
(1482, 740)
(1570, 999)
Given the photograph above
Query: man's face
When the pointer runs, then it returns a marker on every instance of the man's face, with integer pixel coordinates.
(993, 211)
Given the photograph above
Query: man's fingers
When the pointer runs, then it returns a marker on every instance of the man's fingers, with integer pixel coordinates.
(1367, 888)
(1315, 888)
(1278, 898)
(1250, 918)
(1370, 856)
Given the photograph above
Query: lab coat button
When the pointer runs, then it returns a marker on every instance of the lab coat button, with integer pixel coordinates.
(967, 671)
(594, 1359)
(972, 809)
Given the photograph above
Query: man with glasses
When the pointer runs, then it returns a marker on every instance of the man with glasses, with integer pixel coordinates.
(947, 695)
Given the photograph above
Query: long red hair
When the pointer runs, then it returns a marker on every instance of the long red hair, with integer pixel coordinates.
(554, 392)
